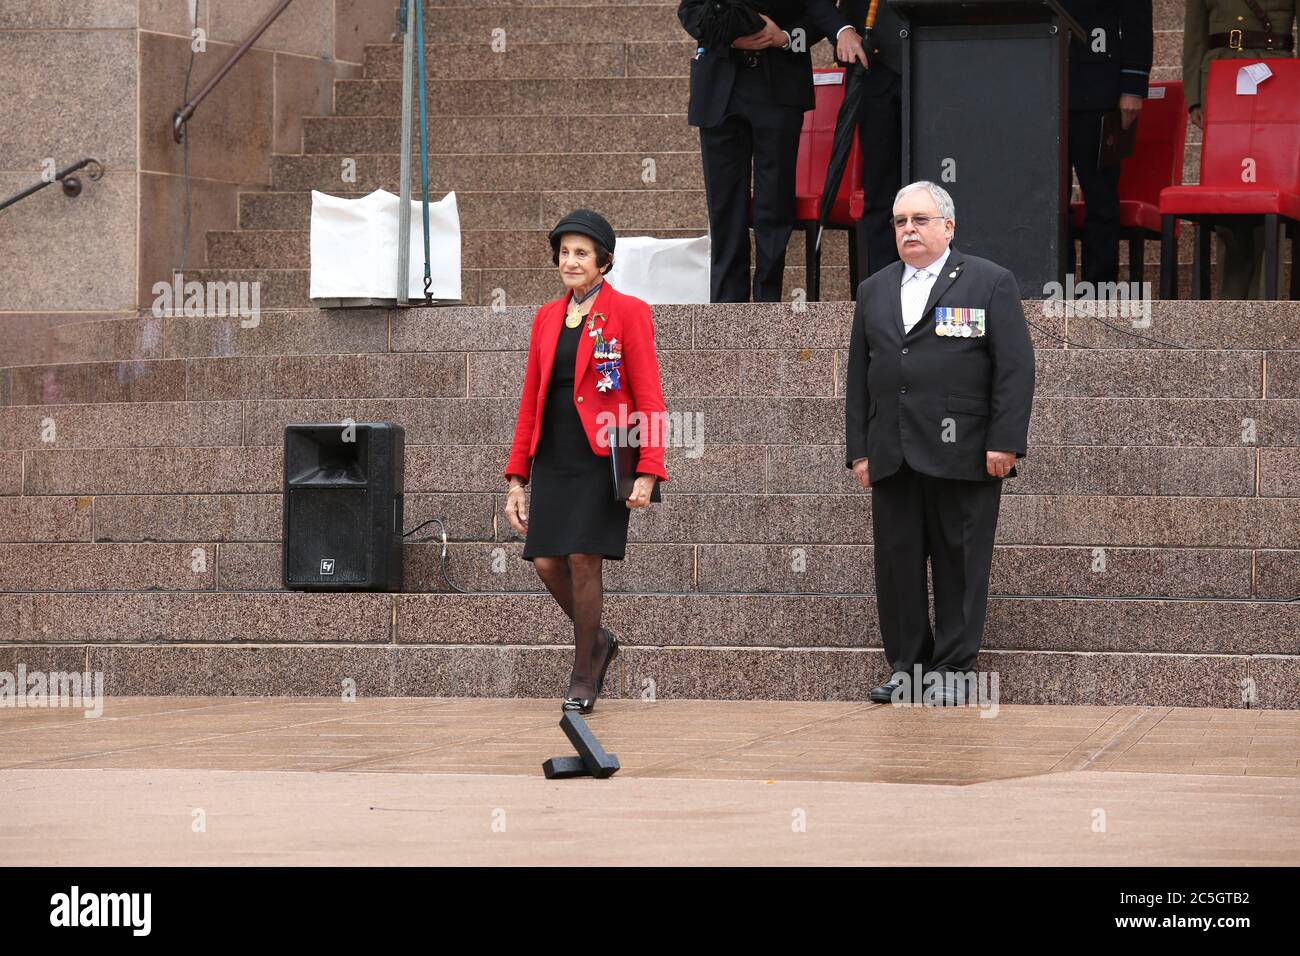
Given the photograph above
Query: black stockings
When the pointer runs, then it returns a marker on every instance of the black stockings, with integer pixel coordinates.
(575, 583)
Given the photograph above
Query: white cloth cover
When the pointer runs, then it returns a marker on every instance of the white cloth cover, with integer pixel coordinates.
(662, 271)
(354, 247)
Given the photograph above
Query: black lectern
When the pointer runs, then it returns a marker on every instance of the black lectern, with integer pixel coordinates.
(984, 116)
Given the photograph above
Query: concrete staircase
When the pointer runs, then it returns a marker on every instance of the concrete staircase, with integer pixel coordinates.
(143, 539)
(1146, 555)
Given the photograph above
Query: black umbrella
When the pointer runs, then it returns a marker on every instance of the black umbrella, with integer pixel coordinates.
(846, 126)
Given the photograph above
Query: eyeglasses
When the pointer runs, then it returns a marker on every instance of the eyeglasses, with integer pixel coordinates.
(920, 221)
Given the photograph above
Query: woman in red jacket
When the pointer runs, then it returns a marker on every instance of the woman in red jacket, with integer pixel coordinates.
(591, 364)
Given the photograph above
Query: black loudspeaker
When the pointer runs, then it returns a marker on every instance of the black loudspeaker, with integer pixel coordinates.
(343, 506)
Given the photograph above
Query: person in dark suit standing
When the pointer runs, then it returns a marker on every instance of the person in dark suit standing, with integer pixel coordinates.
(880, 130)
(1108, 72)
(937, 403)
(748, 101)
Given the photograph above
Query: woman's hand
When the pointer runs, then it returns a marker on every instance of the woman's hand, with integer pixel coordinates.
(640, 496)
(517, 509)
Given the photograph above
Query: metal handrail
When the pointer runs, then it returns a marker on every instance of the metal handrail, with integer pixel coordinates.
(183, 114)
(71, 184)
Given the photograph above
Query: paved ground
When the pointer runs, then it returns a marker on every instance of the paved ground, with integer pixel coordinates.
(419, 781)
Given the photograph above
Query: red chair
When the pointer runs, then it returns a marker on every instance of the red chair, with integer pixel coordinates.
(1156, 162)
(1260, 133)
(810, 180)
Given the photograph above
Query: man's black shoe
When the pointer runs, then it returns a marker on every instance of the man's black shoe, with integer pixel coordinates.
(884, 694)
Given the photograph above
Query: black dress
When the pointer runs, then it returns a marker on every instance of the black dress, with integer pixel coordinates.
(572, 509)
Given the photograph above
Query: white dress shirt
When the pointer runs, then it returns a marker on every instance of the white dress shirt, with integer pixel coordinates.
(789, 40)
(916, 287)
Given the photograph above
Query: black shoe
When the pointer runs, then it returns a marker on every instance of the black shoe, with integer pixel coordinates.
(941, 696)
(583, 705)
(884, 694)
(611, 652)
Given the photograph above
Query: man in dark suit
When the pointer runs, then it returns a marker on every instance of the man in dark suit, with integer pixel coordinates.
(748, 101)
(880, 130)
(1108, 72)
(937, 402)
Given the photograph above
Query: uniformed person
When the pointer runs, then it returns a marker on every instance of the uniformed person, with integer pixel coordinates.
(748, 101)
(1234, 30)
(937, 404)
(1109, 70)
(880, 130)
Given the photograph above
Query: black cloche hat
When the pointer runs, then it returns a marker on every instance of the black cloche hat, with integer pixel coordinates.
(586, 222)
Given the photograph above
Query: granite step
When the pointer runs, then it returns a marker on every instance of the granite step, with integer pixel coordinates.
(656, 671)
(726, 416)
(605, 54)
(82, 397)
(472, 135)
(1204, 653)
(795, 621)
(1265, 525)
(512, 248)
(488, 172)
(589, 23)
(79, 338)
(634, 96)
(628, 210)
(603, 58)
(585, 23)
(290, 288)
(122, 341)
(1102, 471)
(662, 568)
(530, 249)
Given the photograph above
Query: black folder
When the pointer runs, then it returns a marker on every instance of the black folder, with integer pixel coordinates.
(623, 459)
(1116, 142)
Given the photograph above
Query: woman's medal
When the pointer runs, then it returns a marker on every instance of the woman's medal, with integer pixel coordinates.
(573, 318)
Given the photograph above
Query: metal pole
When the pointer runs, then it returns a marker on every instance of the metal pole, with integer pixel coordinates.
(407, 16)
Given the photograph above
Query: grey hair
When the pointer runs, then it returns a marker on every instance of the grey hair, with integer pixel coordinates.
(940, 195)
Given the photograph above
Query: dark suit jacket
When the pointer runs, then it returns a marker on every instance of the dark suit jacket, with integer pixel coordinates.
(787, 74)
(904, 392)
(1099, 77)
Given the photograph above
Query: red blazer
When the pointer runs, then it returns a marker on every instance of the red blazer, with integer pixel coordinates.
(626, 319)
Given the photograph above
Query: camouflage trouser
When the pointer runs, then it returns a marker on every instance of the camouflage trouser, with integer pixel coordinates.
(1240, 258)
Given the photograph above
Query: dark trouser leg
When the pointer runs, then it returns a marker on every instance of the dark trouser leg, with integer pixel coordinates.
(1100, 195)
(728, 149)
(880, 135)
(776, 153)
(961, 518)
(898, 529)
(1240, 242)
